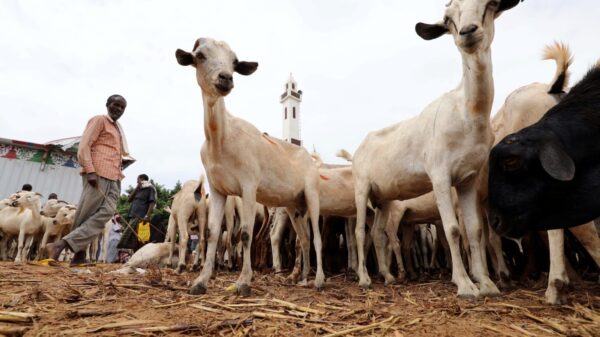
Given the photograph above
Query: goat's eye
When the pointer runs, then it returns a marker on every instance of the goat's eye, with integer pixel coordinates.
(200, 56)
(511, 163)
(494, 3)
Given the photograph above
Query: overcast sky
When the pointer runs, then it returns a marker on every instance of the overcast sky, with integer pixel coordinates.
(359, 63)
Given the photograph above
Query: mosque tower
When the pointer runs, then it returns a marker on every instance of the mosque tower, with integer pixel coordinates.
(290, 100)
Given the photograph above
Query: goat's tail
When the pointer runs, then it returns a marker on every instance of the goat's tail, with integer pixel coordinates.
(344, 155)
(560, 53)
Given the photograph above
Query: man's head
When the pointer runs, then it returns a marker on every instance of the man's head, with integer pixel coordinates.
(52, 196)
(142, 177)
(115, 106)
(27, 187)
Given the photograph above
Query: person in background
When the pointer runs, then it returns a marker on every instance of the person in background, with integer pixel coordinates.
(114, 236)
(143, 200)
(52, 196)
(27, 188)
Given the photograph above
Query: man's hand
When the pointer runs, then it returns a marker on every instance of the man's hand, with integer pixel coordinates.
(92, 179)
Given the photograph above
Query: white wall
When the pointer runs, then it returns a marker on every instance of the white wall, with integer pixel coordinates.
(62, 180)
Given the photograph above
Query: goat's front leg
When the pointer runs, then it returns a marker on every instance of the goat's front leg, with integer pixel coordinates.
(42, 250)
(391, 229)
(247, 227)
(442, 190)
(557, 276)
(4, 247)
(21, 243)
(215, 216)
(201, 246)
(170, 237)
(351, 243)
(467, 197)
(182, 227)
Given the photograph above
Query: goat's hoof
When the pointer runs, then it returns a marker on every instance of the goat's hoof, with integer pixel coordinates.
(364, 284)
(180, 269)
(389, 279)
(487, 288)
(320, 281)
(556, 292)
(244, 290)
(198, 289)
(468, 291)
(196, 268)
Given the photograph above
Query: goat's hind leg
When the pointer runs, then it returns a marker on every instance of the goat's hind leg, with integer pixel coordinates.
(299, 222)
(247, 228)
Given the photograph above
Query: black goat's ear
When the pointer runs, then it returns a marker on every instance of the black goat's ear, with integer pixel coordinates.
(184, 58)
(507, 4)
(430, 31)
(556, 162)
(246, 68)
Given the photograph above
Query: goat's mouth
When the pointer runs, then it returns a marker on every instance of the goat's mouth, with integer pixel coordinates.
(471, 43)
(223, 88)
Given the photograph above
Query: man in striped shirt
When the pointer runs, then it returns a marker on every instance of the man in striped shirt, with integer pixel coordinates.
(101, 149)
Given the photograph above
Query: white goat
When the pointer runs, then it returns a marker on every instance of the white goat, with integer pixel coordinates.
(189, 205)
(23, 220)
(445, 146)
(57, 226)
(240, 160)
(336, 198)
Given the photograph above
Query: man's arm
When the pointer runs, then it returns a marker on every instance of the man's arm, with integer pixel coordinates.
(151, 205)
(133, 193)
(150, 210)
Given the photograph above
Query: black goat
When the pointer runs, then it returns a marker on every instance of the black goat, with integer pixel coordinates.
(547, 175)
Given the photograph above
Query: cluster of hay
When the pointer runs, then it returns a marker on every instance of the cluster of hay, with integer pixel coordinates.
(55, 300)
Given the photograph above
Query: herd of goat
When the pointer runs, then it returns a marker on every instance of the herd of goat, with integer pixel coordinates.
(449, 177)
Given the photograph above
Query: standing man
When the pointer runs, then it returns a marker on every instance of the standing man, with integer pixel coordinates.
(101, 149)
(143, 201)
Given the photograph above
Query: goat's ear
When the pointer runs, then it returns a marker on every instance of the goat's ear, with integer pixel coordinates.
(429, 32)
(556, 162)
(184, 58)
(39, 194)
(507, 4)
(246, 68)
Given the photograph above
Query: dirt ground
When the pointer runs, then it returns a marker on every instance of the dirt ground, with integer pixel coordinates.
(57, 300)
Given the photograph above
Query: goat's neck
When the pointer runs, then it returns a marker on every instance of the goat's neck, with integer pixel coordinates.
(35, 210)
(478, 82)
(215, 119)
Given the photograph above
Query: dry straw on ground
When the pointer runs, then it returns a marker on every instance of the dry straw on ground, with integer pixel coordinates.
(56, 300)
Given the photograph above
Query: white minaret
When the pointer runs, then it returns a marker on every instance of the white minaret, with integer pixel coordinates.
(290, 100)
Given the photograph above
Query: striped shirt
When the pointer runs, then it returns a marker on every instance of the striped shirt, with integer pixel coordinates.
(100, 148)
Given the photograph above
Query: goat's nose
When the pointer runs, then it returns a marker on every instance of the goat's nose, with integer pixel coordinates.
(470, 29)
(225, 76)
